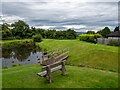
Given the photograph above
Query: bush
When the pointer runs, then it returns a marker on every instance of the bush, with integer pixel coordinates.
(4, 67)
(114, 43)
(8, 38)
(89, 37)
(37, 38)
(14, 65)
(17, 37)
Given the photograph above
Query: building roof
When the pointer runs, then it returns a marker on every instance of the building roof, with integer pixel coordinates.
(114, 34)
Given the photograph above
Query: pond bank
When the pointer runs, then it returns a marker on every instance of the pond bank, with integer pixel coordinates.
(20, 53)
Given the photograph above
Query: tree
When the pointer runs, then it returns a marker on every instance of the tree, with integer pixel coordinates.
(5, 26)
(6, 33)
(104, 31)
(42, 32)
(20, 28)
(116, 29)
(90, 32)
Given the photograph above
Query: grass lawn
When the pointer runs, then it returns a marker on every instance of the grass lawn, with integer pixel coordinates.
(86, 54)
(77, 77)
(8, 41)
(81, 54)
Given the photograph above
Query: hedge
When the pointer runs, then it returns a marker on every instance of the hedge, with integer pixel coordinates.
(89, 37)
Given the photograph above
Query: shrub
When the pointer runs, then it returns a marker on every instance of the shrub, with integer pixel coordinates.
(37, 38)
(20, 64)
(89, 37)
(17, 37)
(8, 38)
(14, 65)
(4, 67)
(113, 43)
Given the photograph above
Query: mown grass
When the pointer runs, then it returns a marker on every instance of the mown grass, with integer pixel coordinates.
(16, 40)
(13, 43)
(81, 54)
(77, 77)
(86, 54)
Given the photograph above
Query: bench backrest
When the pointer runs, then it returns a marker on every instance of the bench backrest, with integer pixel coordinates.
(53, 65)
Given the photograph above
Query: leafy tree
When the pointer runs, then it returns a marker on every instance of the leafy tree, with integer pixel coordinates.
(51, 34)
(20, 28)
(42, 32)
(90, 32)
(116, 29)
(104, 31)
(5, 26)
(6, 33)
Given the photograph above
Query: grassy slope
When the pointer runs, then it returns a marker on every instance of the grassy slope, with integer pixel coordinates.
(8, 41)
(77, 77)
(84, 53)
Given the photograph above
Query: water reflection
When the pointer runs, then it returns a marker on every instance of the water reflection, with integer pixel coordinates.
(22, 54)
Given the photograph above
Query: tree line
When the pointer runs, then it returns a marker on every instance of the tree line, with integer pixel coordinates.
(104, 32)
(21, 30)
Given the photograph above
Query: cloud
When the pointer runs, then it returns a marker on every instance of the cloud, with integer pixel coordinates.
(60, 0)
(44, 27)
(11, 19)
(74, 26)
(63, 14)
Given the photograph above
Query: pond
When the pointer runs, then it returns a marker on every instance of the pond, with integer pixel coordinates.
(23, 54)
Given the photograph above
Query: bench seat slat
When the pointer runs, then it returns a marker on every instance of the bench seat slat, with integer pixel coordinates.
(41, 74)
(52, 65)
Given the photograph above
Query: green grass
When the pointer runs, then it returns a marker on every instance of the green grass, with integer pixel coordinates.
(77, 77)
(9, 41)
(86, 54)
(81, 54)
(13, 43)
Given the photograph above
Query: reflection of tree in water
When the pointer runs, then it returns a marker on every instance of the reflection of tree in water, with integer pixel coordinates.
(6, 53)
(22, 51)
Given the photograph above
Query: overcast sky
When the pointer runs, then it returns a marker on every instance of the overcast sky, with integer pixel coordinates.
(64, 14)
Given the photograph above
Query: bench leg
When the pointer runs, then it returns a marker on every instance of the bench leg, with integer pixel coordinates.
(63, 68)
(48, 74)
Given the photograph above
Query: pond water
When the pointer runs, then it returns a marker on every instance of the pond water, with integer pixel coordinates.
(21, 55)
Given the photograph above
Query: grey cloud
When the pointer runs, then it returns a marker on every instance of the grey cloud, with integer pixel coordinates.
(64, 13)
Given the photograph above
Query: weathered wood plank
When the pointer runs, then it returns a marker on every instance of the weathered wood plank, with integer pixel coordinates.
(63, 68)
(52, 65)
(41, 74)
(56, 58)
(61, 55)
(48, 62)
(48, 74)
(55, 52)
(52, 68)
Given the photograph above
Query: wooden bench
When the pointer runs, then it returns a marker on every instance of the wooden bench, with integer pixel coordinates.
(47, 70)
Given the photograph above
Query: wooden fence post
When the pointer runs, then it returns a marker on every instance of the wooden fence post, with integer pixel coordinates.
(53, 57)
(68, 50)
(42, 56)
(48, 74)
(63, 68)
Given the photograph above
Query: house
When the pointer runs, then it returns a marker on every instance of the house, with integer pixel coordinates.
(114, 36)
